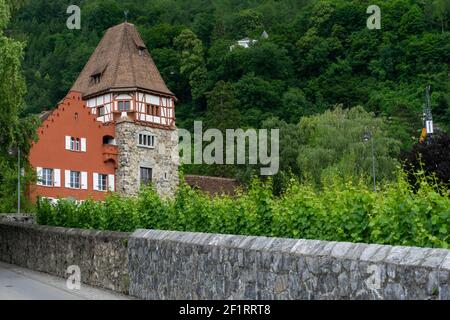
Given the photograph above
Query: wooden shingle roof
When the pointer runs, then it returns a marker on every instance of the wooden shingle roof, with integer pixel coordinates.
(120, 61)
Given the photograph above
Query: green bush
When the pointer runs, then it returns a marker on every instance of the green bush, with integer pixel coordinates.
(341, 211)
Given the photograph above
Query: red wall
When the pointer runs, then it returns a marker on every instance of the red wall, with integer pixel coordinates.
(50, 151)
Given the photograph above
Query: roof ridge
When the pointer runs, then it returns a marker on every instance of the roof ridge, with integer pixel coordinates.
(130, 57)
(118, 59)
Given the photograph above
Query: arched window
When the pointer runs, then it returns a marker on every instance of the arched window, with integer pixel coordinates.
(78, 145)
(109, 140)
(72, 143)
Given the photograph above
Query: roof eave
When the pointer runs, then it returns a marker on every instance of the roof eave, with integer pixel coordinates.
(128, 89)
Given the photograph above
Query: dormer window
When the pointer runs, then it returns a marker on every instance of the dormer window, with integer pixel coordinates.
(96, 78)
(96, 75)
(141, 49)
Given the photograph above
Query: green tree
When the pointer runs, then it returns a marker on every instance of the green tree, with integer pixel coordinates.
(246, 23)
(259, 98)
(15, 133)
(295, 105)
(441, 11)
(333, 143)
(223, 107)
(192, 61)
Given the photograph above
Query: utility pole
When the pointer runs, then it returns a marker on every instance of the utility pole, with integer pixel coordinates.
(373, 168)
(427, 129)
(369, 136)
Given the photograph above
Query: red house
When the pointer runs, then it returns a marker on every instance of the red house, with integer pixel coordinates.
(114, 131)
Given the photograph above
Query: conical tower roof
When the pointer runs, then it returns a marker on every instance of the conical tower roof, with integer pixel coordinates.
(121, 61)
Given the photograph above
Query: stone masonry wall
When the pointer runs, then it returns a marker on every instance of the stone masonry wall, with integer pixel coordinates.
(179, 265)
(22, 218)
(101, 255)
(151, 264)
(163, 159)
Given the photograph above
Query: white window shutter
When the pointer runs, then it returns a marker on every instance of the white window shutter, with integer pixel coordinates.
(67, 178)
(39, 176)
(68, 142)
(95, 181)
(84, 182)
(57, 178)
(111, 182)
(83, 144)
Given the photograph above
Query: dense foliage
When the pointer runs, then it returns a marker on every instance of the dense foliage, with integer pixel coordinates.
(14, 132)
(319, 53)
(343, 211)
(433, 157)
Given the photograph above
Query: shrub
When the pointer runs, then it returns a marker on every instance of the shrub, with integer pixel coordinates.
(341, 211)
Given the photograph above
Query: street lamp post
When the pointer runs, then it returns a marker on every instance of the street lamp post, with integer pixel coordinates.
(18, 180)
(368, 136)
(19, 172)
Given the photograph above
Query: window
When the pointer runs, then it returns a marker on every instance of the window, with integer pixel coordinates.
(75, 179)
(146, 140)
(96, 78)
(47, 177)
(123, 105)
(109, 140)
(146, 176)
(101, 111)
(141, 50)
(75, 144)
(102, 182)
(166, 176)
(153, 110)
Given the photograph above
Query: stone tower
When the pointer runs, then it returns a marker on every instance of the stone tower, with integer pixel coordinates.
(123, 88)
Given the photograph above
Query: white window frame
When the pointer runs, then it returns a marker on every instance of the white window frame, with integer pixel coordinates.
(83, 144)
(76, 144)
(57, 178)
(111, 183)
(102, 182)
(73, 180)
(47, 177)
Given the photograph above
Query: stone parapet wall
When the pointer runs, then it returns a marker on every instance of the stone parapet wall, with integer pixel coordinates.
(22, 218)
(101, 255)
(179, 265)
(151, 264)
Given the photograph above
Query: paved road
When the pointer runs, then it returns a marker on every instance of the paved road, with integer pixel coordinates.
(18, 283)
